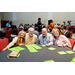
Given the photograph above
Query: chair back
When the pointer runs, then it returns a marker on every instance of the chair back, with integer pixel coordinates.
(5, 28)
(8, 34)
(71, 35)
(10, 28)
(72, 41)
(3, 43)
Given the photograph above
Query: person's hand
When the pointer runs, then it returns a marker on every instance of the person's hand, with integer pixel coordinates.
(21, 44)
(47, 45)
(60, 45)
(4, 49)
(65, 45)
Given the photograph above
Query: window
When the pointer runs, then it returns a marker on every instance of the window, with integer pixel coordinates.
(14, 15)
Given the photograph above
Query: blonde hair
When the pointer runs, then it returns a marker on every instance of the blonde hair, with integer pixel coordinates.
(21, 32)
(58, 32)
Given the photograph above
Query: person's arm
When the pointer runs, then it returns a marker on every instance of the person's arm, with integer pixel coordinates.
(50, 41)
(67, 42)
(7, 25)
(11, 44)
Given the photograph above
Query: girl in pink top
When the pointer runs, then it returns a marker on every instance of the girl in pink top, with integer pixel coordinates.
(61, 40)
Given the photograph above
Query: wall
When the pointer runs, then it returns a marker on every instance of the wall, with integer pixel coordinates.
(30, 17)
(6, 16)
(59, 17)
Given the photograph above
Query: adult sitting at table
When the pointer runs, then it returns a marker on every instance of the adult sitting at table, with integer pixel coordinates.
(61, 40)
(45, 38)
(17, 41)
(8, 25)
(30, 38)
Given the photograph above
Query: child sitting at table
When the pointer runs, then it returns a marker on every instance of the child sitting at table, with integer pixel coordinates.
(17, 41)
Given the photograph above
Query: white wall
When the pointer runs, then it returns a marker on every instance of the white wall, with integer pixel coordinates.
(59, 17)
(6, 16)
(32, 17)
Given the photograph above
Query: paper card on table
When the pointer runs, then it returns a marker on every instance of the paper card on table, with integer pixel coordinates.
(33, 50)
(62, 52)
(16, 48)
(49, 61)
(44, 46)
(36, 46)
(70, 52)
(73, 60)
(18, 55)
(52, 48)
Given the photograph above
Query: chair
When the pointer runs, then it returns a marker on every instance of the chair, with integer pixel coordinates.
(72, 41)
(20, 29)
(10, 28)
(27, 31)
(5, 28)
(8, 34)
(40, 33)
(27, 28)
(62, 34)
(71, 35)
(3, 43)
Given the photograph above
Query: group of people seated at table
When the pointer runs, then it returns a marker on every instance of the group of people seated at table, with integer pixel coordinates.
(45, 38)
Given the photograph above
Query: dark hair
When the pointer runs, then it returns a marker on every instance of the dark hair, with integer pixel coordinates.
(64, 27)
(50, 21)
(15, 26)
(69, 28)
(39, 18)
(36, 28)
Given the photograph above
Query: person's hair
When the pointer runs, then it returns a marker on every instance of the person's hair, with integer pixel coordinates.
(15, 26)
(39, 18)
(50, 21)
(69, 28)
(36, 28)
(30, 28)
(58, 31)
(64, 27)
(21, 32)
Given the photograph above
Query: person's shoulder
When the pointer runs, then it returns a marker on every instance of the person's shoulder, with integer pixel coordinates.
(63, 36)
(49, 34)
(35, 35)
(40, 35)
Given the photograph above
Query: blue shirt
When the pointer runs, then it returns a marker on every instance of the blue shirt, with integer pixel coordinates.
(8, 25)
(47, 40)
(36, 33)
(71, 23)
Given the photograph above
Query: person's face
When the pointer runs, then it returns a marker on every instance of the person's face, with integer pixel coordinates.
(56, 33)
(62, 28)
(31, 32)
(40, 20)
(44, 33)
(22, 35)
(55, 27)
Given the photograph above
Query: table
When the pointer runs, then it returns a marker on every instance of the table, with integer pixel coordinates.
(40, 56)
